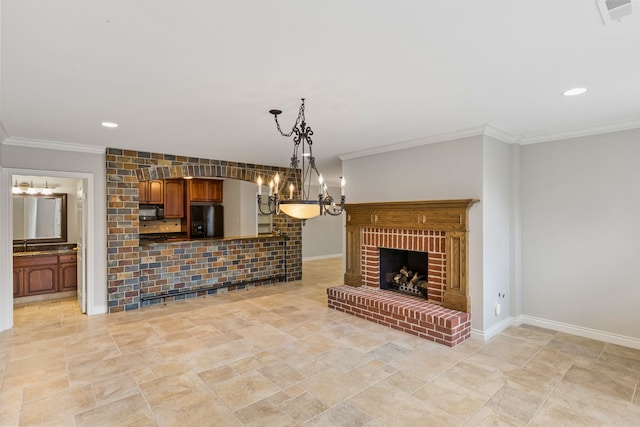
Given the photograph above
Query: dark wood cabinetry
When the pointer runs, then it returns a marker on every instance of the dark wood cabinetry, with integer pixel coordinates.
(67, 273)
(151, 192)
(174, 198)
(205, 190)
(35, 275)
(44, 274)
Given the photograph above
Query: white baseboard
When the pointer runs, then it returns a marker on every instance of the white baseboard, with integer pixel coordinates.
(486, 335)
(580, 331)
(99, 309)
(315, 258)
(556, 326)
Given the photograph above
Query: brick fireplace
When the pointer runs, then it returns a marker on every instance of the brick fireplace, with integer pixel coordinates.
(437, 228)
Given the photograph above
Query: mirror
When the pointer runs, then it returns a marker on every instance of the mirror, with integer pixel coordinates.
(39, 218)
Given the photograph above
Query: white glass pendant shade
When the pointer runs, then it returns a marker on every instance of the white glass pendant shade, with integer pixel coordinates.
(300, 210)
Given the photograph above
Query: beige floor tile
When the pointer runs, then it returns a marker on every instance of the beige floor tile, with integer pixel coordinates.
(397, 408)
(200, 408)
(243, 390)
(180, 348)
(223, 354)
(265, 336)
(605, 407)
(276, 355)
(515, 403)
(551, 362)
(516, 351)
(282, 375)
(530, 333)
(552, 414)
(577, 345)
(263, 413)
(405, 381)
(303, 407)
(139, 339)
(56, 406)
(451, 398)
(119, 412)
(333, 386)
(493, 417)
(596, 380)
(371, 372)
(10, 404)
(56, 384)
(162, 390)
(342, 415)
(115, 388)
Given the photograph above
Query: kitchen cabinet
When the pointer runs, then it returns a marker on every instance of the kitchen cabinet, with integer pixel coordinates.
(205, 190)
(151, 192)
(174, 198)
(67, 273)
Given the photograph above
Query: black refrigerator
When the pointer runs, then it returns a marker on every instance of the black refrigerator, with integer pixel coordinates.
(207, 220)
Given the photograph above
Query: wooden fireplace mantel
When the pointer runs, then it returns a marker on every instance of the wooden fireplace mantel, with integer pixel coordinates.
(449, 216)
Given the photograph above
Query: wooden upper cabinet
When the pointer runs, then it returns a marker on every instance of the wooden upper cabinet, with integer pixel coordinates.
(205, 190)
(174, 198)
(151, 192)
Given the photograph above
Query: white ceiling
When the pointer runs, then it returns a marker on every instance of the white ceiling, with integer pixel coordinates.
(197, 77)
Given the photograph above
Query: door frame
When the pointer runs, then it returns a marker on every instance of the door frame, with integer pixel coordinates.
(6, 249)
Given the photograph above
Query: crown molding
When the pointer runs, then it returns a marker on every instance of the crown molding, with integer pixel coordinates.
(487, 129)
(464, 133)
(577, 133)
(501, 135)
(496, 133)
(54, 145)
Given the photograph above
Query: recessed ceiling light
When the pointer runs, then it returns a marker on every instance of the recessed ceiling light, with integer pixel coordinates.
(574, 91)
(109, 124)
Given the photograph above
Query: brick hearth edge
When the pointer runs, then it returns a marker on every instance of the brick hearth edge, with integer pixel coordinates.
(406, 313)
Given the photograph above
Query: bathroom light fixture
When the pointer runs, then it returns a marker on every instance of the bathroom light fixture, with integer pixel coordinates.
(46, 190)
(303, 207)
(109, 124)
(32, 189)
(575, 91)
(15, 189)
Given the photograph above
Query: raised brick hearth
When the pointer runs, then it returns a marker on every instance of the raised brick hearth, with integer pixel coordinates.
(438, 228)
(406, 313)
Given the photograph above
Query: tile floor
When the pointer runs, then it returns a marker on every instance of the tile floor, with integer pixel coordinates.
(277, 356)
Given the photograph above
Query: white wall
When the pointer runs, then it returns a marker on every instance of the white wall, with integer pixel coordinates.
(580, 232)
(16, 157)
(496, 231)
(322, 236)
(240, 208)
(446, 170)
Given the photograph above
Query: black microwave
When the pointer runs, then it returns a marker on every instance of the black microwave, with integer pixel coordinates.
(151, 212)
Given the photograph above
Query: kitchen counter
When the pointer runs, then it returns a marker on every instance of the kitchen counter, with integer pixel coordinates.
(208, 239)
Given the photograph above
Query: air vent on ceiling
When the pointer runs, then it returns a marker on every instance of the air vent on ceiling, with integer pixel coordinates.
(614, 10)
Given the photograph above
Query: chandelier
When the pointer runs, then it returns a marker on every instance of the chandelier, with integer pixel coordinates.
(305, 207)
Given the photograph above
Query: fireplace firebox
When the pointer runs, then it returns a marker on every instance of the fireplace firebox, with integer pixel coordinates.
(404, 271)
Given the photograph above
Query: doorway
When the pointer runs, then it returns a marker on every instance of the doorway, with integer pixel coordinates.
(80, 186)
